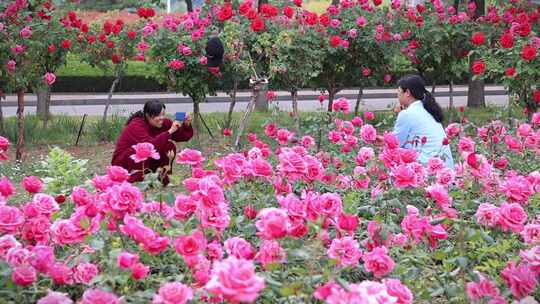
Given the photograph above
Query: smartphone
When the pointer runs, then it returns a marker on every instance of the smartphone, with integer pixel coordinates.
(180, 116)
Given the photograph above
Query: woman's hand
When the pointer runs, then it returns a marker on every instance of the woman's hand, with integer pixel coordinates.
(174, 127)
(398, 108)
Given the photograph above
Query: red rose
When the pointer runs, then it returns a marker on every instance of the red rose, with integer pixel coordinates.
(536, 96)
(132, 35)
(524, 30)
(507, 40)
(84, 28)
(225, 13)
(288, 11)
(115, 58)
(60, 198)
(257, 25)
(445, 141)
(51, 48)
(117, 28)
(102, 37)
(478, 38)
(110, 44)
(420, 8)
(472, 161)
(66, 44)
(528, 52)
(324, 20)
(298, 3)
(510, 72)
(478, 67)
(250, 212)
(107, 27)
(335, 41)
(377, 2)
(91, 39)
(311, 18)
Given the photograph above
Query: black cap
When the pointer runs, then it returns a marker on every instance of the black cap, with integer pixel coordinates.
(214, 52)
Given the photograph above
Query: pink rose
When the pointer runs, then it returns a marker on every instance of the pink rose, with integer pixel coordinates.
(512, 217)
(66, 232)
(270, 130)
(117, 174)
(260, 167)
(390, 141)
(440, 195)
(283, 136)
(6, 188)
(32, 184)
(530, 234)
(190, 245)
(346, 251)
(532, 257)
(378, 262)
(97, 296)
(396, 289)
(54, 297)
(364, 154)
(125, 259)
(348, 222)
(184, 206)
(214, 250)
(521, 279)
(173, 293)
(49, 78)
(535, 120)
(101, 182)
(80, 196)
(466, 144)
(404, 176)
(453, 129)
(270, 253)
(235, 280)
(60, 273)
(45, 204)
(4, 145)
(357, 121)
(11, 65)
(483, 288)
(487, 214)
(122, 199)
(328, 204)
(23, 275)
(272, 223)
(139, 271)
(368, 133)
(176, 64)
(239, 248)
(7, 242)
(26, 32)
(517, 189)
(42, 257)
(203, 60)
(11, 218)
(341, 104)
(143, 151)
(84, 273)
(369, 116)
(190, 157)
(445, 176)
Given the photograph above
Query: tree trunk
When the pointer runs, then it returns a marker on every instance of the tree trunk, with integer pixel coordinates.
(433, 87)
(335, 2)
(451, 101)
(358, 101)
(475, 95)
(189, 5)
(331, 95)
(232, 104)
(296, 115)
(20, 122)
(108, 104)
(109, 97)
(245, 120)
(196, 121)
(43, 103)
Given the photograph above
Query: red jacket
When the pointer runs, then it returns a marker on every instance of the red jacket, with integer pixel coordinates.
(138, 130)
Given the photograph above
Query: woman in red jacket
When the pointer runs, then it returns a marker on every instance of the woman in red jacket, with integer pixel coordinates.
(152, 126)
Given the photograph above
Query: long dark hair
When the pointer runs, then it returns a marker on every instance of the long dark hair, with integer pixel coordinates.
(416, 85)
(151, 108)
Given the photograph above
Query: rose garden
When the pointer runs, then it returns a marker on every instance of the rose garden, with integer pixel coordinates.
(279, 207)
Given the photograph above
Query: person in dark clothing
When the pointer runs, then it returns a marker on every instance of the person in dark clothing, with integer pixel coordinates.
(152, 126)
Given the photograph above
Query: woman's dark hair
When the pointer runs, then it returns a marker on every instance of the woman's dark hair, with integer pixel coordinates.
(416, 85)
(151, 108)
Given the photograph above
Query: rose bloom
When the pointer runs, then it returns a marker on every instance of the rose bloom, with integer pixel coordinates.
(173, 293)
(235, 280)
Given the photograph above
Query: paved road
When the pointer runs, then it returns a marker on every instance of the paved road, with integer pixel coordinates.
(124, 104)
